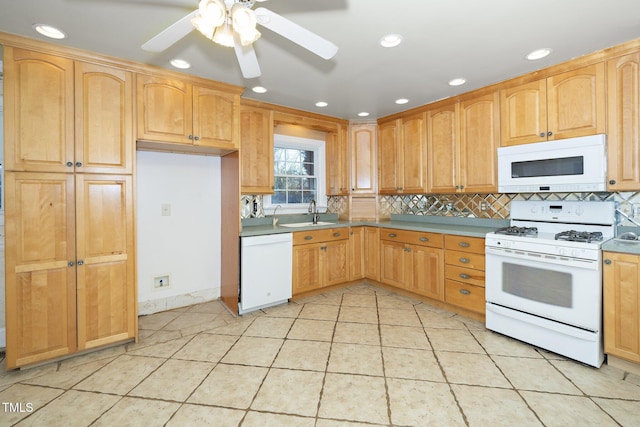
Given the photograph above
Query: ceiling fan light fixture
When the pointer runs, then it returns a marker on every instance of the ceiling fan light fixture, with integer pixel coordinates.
(223, 36)
(243, 21)
(211, 15)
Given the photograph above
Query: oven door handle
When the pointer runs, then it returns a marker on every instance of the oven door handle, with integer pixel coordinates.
(540, 258)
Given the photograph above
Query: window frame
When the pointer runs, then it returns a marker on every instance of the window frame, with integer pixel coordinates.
(319, 148)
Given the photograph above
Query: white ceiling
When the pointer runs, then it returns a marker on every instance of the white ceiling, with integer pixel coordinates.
(484, 41)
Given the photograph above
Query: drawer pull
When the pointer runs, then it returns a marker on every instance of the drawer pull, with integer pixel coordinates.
(308, 237)
(464, 276)
(392, 235)
(336, 234)
(463, 244)
(465, 292)
(465, 260)
(424, 239)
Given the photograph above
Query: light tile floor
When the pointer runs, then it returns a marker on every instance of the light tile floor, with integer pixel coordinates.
(356, 356)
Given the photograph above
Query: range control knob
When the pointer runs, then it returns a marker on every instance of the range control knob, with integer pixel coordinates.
(562, 252)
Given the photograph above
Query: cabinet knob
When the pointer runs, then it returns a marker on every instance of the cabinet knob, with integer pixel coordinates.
(197, 138)
(542, 134)
(462, 187)
(324, 248)
(463, 244)
(407, 249)
(424, 239)
(457, 187)
(465, 260)
(71, 263)
(392, 235)
(308, 237)
(549, 133)
(465, 292)
(191, 137)
(78, 164)
(336, 234)
(80, 262)
(464, 276)
(607, 261)
(612, 182)
(69, 164)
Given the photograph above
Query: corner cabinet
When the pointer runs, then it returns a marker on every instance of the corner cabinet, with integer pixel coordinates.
(70, 247)
(256, 150)
(402, 155)
(363, 143)
(566, 105)
(621, 302)
(179, 112)
(623, 139)
(337, 160)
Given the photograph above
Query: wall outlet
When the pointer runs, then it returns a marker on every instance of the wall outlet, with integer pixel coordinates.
(484, 206)
(161, 281)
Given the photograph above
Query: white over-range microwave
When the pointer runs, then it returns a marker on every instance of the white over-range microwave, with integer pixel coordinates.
(562, 166)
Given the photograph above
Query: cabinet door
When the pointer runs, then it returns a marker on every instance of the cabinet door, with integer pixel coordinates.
(523, 113)
(105, 251)
(356, 253)
(103, 119)
(576, 103)
(215, 122)
(256, 149)
(39, 112)
(428, 272)
(40, 267)
(307, 268)
(337, 156)
(479, 139)
(164, 110)
(622, 305)
(413, 153)
(363, 159)
(336, 259)
(442, 142)
(395, 266)
(623, 138)
(372, 253)
(389, 135)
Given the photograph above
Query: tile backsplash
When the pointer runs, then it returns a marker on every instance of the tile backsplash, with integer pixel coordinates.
(494, 205)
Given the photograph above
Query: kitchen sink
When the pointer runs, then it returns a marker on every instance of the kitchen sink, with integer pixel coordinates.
(306, 224)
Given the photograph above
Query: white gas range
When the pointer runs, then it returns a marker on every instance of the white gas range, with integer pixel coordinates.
(544, 276)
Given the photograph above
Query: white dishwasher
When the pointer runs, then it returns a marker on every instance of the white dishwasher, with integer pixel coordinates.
(265, 271)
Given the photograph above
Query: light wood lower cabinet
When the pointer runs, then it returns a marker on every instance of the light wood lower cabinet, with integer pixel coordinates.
(320, 258)
(465, 272)
(372, 253)
(70, 264)
(412, 261)
(622, 305)
(356, 253)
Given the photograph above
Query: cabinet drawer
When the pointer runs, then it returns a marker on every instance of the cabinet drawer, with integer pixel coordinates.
(316, 236)
(465, 275)
(465, 296)
(434, 240)
(464, 259)
(465, 244)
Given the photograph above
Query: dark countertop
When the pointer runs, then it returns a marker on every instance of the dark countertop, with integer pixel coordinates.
(462, 226)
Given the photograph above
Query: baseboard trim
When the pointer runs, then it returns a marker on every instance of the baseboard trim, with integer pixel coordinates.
(177, 301)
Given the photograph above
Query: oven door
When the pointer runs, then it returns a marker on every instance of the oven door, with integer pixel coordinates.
(566, 290)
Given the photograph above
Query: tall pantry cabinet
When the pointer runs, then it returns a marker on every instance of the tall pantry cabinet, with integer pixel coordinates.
(70, 254)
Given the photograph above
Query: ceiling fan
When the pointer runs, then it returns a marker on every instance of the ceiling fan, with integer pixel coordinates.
(232, 23)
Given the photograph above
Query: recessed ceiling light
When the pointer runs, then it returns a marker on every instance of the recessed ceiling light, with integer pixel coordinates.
(49, 31)
(391, 40)
(538, 54)
(259, 89)
(402, 101)
(363, 114)
(321, 104)
(180, 63)
(457, 82)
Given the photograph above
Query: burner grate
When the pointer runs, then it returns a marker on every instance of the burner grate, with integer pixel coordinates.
(580, 236)
(518, 231)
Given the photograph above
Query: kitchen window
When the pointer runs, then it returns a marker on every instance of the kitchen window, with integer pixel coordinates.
(299, 174)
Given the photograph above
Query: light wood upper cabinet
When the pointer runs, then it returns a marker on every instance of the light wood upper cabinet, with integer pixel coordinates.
(623, 139)
(363, 138)
(104, 119)
(175, 111)
(402, 156)
(66, 116)
(39, 111)
(337, 162)
(566, 105)
(462, 142)
(622, 305)
(256, 150)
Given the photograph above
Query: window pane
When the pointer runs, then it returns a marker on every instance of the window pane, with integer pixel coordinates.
(309, 183)
(293, 155)
(294, 184)
(280, 183)
(308, 156)
(280, 168)
(308, 196)
(279, 197)
(309, 168)
(278, 154)
(294, 197)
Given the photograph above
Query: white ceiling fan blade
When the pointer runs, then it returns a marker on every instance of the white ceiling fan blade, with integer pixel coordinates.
(171, 34)
(297, 34)
(246, 58)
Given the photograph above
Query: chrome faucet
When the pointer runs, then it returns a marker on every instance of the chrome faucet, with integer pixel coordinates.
(314, 210)
(274, 220)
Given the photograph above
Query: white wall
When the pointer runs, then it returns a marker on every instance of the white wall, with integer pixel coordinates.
(186, 244)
